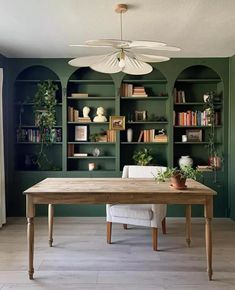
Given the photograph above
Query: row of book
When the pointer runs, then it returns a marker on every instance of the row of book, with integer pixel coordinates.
(151, 136)
(33, 135)
(179, 96)
(128, 90)
(73, 114)
(195, 118)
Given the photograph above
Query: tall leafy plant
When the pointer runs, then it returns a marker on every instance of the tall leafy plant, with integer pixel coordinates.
(45, 119)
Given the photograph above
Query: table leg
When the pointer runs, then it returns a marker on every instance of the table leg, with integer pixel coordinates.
(188, 224)
(30, 234)
(208, 234)
(50, 223)
(30, 213)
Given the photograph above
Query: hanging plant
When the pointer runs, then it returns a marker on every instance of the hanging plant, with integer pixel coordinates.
(213, 159)
(45, 119)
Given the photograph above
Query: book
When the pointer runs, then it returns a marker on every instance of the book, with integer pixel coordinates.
(79, 95)
(83, 119)
(141, 136)
(80, 154)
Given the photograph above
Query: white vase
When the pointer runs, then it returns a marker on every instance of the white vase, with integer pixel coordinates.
(185, 161)
(129, 135)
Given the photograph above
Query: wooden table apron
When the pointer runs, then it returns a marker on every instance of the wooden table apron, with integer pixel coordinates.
(119, 191)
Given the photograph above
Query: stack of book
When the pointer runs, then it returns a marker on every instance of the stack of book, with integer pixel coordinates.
(139, 92)
(150, 136)
(161, 138)
(204, 168)
(79, 95)
(179, 96)
(126, 90)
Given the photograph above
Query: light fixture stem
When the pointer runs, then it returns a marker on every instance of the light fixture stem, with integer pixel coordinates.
(121, 24)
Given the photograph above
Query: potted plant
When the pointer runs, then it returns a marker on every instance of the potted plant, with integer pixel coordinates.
(143, 157)
(177, 176)
(45, 119)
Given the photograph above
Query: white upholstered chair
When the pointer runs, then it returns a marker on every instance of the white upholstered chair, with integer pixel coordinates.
(149, 215)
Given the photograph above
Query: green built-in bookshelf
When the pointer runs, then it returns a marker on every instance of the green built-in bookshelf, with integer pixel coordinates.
(104, 90)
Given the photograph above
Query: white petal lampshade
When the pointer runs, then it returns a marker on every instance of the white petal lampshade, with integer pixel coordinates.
(108, 65)
(136, 67)
(87, 60)
(150, 58)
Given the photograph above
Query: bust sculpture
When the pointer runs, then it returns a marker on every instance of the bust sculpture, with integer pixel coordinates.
(85, 112)
(100, 115)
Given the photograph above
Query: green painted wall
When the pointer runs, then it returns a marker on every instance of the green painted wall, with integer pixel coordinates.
(17, 181)
(232, 136)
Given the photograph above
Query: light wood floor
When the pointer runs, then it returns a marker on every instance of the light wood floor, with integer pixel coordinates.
(81, 259)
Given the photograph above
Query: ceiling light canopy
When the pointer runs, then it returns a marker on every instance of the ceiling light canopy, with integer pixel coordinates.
(126, 57)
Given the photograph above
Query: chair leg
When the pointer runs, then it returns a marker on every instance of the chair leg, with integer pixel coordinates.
(109, 232)
(164, 226)
(125, 226)
(154, 238)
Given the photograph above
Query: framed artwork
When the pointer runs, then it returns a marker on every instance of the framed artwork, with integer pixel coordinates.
(140, 116)
(117, 122)
(194, 135)
(81, 133)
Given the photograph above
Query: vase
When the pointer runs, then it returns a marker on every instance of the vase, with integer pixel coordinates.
(185, 161)
(129, 135)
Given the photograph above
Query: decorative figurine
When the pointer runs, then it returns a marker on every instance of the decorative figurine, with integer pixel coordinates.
(85, 112)
(100, 115)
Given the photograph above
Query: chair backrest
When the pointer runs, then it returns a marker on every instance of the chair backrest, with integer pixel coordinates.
(136, 171)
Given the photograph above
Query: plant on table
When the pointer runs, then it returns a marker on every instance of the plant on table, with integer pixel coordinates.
(178, 176)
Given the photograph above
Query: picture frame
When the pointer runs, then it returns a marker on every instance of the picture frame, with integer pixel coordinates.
(194, 135)
(140, 116)
(117, 122)
(81, 133)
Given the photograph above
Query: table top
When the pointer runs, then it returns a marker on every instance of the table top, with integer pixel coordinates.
(114, 185)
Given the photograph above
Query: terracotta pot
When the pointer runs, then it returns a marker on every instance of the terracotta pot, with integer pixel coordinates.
(178, 182)
(215, 162)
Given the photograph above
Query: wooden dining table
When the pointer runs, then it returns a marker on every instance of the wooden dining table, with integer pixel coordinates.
(52, 191)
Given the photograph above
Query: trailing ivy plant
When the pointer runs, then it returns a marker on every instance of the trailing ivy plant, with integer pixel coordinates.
(45, 119)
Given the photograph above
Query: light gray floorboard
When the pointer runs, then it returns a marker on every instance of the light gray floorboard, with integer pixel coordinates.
(81, 259)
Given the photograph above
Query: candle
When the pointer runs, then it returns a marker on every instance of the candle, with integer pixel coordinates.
(91, 166)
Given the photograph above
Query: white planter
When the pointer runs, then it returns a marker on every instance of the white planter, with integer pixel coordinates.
(185, 161)
(129, 135)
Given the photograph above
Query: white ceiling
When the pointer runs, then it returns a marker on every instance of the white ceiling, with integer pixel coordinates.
(45, 28)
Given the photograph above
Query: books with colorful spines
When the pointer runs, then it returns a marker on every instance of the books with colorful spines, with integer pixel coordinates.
(80, 154)
(79, 95)
(111, 136)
